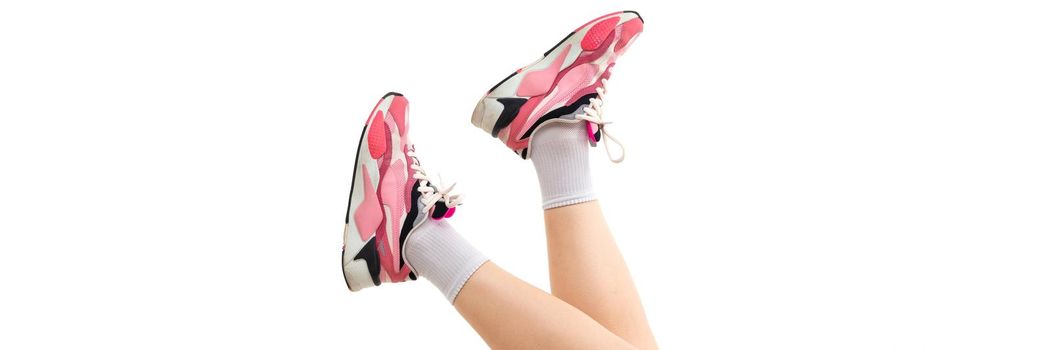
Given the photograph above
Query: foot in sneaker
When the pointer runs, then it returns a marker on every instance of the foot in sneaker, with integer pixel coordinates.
(390, 199)
(567, 85)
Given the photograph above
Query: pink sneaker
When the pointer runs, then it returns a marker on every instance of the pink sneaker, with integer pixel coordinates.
(567, 85)
(390, 197)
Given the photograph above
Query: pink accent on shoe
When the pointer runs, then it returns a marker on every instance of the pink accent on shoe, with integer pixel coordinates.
(409, 185)
(594, 87)
(398, 109)
(594, 55)
(628, 32)
(598, 33)
(519, 124)
(569, 84)
(591, 132)
(384, 277)
(377, 136)
(450, 212)
(391, 193)
(587, 58)
(539, 81)
(368, 215)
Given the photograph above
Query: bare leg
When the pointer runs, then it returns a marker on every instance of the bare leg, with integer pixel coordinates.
(588, 272)
(511, 314)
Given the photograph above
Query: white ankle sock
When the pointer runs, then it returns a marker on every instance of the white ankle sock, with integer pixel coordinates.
(439, 254)
(560, 155)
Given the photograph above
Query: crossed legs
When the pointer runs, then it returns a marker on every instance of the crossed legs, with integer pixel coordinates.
(593, 302)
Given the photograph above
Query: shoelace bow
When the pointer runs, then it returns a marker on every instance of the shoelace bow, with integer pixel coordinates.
(593, 114)
(429, 190)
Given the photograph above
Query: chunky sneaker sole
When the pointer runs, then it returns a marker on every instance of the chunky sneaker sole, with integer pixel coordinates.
(559, 85)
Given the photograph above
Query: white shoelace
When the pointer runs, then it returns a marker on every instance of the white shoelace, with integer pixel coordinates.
(429, 190)
(593, 114)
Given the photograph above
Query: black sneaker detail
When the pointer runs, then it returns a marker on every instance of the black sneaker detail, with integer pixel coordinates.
(439, 210)
(393, 93)
(559, 43)
(369, 253)
(410, 220)
(511, 107)
(561, 111)
(524, 153)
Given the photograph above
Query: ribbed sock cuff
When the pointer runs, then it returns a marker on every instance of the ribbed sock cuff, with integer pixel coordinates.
(439, 254)
(559, 152)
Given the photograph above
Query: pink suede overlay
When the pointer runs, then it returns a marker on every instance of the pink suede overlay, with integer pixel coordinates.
(376, 136)
(368, 215)
(391, 197)
(519, 123)
(593, 88)
(407, 187)
(628, 32)
(598, 33)
(593, 55)
(571, 82)
(539, 81)
(398, 109)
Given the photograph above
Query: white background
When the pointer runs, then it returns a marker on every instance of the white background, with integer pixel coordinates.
(800, 175)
